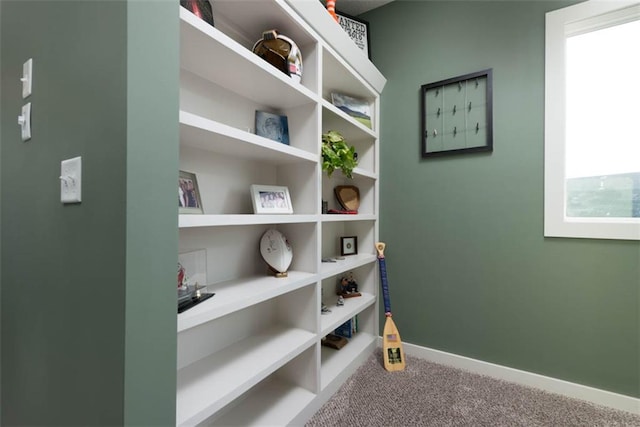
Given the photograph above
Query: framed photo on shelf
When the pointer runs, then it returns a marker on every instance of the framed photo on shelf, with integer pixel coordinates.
(357, 30)
(272, 126)
(348, 245)
(189, 201)
(357, 108)
(271, 199)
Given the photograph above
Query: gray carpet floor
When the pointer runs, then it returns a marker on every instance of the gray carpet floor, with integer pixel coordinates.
(430, 394)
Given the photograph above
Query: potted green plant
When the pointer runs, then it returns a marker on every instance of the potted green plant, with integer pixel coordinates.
(338, 154)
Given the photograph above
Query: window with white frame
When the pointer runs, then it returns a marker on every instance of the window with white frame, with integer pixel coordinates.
(592, 121)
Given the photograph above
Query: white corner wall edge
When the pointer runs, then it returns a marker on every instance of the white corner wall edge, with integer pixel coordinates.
(319, 19)
(549, 384)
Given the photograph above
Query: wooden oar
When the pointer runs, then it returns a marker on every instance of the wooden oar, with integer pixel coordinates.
(392, 352)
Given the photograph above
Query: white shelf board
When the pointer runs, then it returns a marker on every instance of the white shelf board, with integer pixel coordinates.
(339, 315)
(234, 295)
(328, 269)
(333, 361)
(347, 217)
(209, 53)
(208, 385)
(196, 220)
(350, 128)
(339, 76)
(205, 134)
(364, 173)
(274, 403)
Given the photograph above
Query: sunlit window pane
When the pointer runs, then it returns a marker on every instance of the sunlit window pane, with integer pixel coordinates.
(603, 122)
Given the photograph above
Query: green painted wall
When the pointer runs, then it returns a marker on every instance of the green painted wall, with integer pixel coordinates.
(151, 216)
(87, 297)
(469, 269)
(0, 228)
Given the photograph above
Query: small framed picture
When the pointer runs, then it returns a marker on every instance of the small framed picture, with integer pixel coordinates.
(348, 245)
(271, 199)
(357, 108)
(357, 30)
(272, 126)
(189, 200)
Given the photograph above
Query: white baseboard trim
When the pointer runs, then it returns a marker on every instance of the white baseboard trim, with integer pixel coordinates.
(553, 385)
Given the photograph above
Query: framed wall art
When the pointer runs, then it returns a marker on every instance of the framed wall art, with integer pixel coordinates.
(272, 126)
(357, 30)
(271, 199)
(358, 108)
(456, 115)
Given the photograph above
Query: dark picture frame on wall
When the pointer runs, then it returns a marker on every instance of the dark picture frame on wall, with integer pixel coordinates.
(357, 29)
(457, 115)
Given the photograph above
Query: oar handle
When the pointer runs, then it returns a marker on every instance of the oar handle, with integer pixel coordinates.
(383, 278)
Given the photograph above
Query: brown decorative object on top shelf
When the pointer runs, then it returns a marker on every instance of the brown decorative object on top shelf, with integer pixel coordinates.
(281, 52)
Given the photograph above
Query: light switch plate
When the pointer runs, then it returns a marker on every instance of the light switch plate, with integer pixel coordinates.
(27, 77)
(71, 180)
(24, 120)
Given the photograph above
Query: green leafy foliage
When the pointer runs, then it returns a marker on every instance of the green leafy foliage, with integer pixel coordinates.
(337, 154)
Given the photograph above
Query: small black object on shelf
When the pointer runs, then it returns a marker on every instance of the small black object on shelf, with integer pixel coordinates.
(193, 301)
(191, 295)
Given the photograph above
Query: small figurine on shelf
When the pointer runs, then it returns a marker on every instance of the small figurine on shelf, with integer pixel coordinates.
(340, 302)
(323, 307)
(348, 287)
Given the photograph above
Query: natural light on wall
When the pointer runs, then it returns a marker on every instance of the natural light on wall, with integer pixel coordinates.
(592, 121)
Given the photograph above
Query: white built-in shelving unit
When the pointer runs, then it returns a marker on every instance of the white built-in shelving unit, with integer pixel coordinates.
(252, 354)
